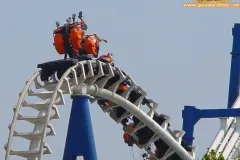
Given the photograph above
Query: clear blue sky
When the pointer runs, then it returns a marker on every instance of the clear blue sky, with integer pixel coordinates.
(179, 56)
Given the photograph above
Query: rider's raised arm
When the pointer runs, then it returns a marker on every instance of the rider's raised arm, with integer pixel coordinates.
(80, 16)
(99, 39)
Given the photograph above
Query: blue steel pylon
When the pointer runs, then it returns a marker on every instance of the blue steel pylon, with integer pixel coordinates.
(235, 66)
(80, 137)
(191, 115)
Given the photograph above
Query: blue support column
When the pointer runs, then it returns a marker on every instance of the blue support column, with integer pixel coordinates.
(189, 115)
(235, 67)
(80, 138)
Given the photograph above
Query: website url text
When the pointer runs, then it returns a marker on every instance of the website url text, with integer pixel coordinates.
(220, 5)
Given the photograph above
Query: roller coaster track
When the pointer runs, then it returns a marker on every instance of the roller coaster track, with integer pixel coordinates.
(227, 140)
(91, 82)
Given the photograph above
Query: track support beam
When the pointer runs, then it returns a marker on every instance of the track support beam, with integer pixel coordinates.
(191, 115)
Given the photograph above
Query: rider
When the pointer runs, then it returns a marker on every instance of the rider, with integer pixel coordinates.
(145, 134)
(128, 138)
(90, 46)
(121, 88)
(68, 39)
(107, 58)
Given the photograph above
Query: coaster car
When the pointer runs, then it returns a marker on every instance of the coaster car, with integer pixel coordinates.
(61, 66)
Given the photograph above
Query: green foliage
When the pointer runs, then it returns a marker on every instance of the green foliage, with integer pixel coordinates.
(238, 157)
(212, 156)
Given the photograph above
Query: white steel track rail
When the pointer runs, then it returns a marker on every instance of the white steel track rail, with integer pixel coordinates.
(227, 140)
(77, 79)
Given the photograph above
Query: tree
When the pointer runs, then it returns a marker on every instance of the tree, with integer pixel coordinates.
(238, 157)
(212, 156)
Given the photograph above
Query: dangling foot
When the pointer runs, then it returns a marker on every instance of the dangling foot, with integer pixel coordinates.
(128, 139)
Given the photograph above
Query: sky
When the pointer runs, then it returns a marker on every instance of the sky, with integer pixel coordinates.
(180, 56)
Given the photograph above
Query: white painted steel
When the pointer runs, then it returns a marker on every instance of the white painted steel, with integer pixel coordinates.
(227, 137)
(94, 90)
(53, 97)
